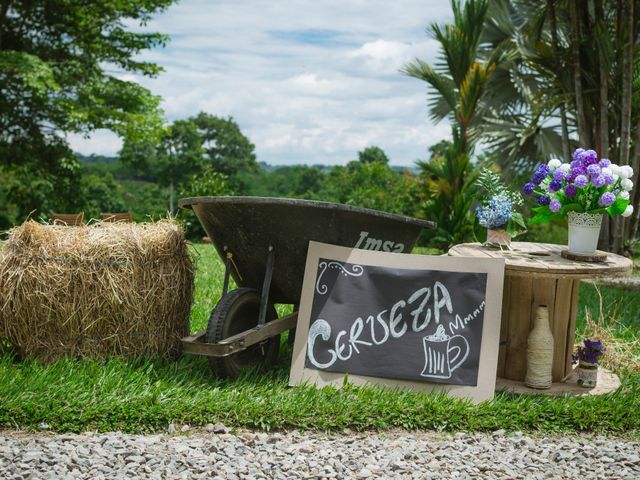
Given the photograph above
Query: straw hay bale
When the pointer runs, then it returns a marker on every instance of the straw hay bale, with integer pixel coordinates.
(106, 289)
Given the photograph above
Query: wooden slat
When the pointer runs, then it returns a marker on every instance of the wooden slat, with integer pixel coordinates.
(68, 219)
(559, 324)
(125, 217)
(504, 327)
(196, 345)
(546, 259)
(269, 329)
(571, 326)
(521, 291)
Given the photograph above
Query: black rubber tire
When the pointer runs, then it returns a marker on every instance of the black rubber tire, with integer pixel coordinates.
(236, 312)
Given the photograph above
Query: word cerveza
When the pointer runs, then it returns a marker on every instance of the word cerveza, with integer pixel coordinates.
(369, 243)
(415, 313)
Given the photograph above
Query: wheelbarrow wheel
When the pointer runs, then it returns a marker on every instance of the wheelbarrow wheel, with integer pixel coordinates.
(237, 312)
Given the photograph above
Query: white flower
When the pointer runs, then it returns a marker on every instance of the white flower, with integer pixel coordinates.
(607, 171)
(554, 163)
(628, 211)
(623, 195)
(623, 171)
(565, 167)
(626, 184)
(615, 169)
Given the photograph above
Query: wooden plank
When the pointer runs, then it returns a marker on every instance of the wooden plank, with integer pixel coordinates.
(69, 219)
(504, 326)
(521, 291)
(545, 258)
(269, 329)
(560, 325)
(196, 345)
(571, 327)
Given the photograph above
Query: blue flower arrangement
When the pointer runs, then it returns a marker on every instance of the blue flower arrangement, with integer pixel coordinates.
(497, 210)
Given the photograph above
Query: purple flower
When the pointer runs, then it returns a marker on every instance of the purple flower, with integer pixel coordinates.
(581, 170)
(604, 163)
(555, 206)
(543, 199)
(577, 163)
(609, 180)
(598, 181)
(559, 175)
(570, 190)
(594, 170)
(589, 157)
(528, 188)
(590, 352)
(576, 154)
(540, 174)
(581, 181)
(606, 199)
(555, 185)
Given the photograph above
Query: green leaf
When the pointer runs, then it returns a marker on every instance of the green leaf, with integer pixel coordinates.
(618, 207)
(572, 207)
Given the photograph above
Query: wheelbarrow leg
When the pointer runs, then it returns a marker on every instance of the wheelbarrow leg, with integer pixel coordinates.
(227, 272)
(266, 286)
(292, 332)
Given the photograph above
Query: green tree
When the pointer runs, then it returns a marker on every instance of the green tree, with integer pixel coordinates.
(298, 181)
(229, 151)
(187, 146)
(459, 90)
(208, 182)
(372, 185)
(60, 63)
(574, 75)
(373, 154)
(176, 155)
(46, 179)
(101, 194)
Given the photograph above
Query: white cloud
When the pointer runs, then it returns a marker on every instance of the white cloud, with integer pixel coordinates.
(308, 82)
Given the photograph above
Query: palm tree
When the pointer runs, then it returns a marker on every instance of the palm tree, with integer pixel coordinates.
(458, 80)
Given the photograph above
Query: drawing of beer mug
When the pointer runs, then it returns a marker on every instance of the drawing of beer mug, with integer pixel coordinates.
(439, 363)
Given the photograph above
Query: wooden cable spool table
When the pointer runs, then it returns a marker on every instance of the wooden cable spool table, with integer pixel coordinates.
(536, 274)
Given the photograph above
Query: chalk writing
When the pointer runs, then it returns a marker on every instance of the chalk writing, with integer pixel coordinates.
(460, 323)
(380, 329)
(321, 288)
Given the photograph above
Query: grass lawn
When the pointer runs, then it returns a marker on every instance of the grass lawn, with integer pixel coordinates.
(148, 394)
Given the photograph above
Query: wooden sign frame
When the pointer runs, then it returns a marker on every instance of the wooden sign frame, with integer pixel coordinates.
(493, 267)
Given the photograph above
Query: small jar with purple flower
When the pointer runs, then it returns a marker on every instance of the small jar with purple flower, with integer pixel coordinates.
(588, 357)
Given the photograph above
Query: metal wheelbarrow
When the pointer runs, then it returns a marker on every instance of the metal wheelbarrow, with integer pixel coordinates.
(263, 242)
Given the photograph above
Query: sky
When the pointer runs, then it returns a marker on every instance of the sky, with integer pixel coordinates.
(309, 82)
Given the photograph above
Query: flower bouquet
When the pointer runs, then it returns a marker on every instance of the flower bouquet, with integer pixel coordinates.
(583, 191)
(588, 357)
(496, 211)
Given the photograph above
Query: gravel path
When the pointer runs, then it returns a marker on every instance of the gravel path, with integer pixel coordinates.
(295, 455)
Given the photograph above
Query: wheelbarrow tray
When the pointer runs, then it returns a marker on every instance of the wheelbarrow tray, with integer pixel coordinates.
(246, 227)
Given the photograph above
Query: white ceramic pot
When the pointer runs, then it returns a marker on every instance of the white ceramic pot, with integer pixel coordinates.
(584, 230)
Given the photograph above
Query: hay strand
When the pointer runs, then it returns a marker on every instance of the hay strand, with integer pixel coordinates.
(101, 290)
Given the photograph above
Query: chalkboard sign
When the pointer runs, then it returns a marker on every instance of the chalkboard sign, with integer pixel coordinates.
(422, 321)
